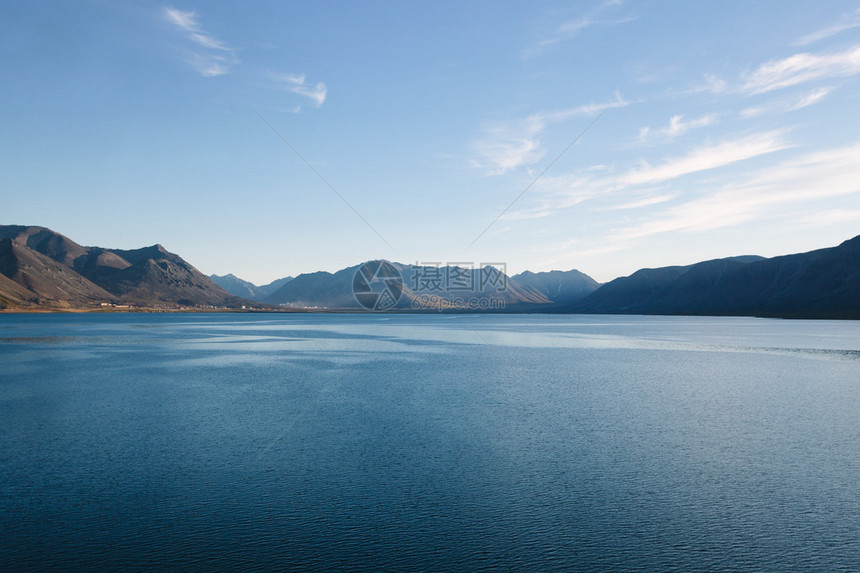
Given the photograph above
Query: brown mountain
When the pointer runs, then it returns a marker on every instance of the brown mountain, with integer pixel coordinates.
(52, 282)
(154, 275)
(56, 271)
(45, 241)
(14, 295)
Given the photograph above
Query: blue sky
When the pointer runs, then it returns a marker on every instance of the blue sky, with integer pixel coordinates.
(722, 128)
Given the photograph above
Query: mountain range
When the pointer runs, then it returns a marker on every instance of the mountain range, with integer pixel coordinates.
(424, 288)
(40, 268)
(824, 283)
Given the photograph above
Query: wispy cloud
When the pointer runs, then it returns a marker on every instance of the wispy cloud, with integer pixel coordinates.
(811, 98)
(678, 126)
(802, 68)
(711, 84)
(209, 56)
(784, 105)
(181, 19)
(829, 173)
(209, 65)
(706, 158)
(830, 217)
(572, 28)
(644, 202)
(562, 192)
(507, 145)
(786, 72)
(297, 83)
(847, 22)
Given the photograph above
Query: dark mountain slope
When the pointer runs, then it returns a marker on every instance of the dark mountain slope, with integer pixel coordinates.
(99, 262)
(628, 294)
(154, 275)
(824, 283)
(12, 294)
(819, 284)
(53, 282)
(696, 290)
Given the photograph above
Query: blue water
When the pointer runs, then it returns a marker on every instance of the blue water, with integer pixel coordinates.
(432, 442)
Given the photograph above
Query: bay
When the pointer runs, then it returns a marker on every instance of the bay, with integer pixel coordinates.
(428, 442)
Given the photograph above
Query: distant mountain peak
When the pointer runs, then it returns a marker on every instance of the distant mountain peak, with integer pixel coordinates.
(245, 289)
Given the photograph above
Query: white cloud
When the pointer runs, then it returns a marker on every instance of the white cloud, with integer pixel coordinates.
(216, 58)
(785, 105)
(846, 23)
(678, 126)
(811, 98)
(208, 65)
(645, 202)
(207, 41)
(706, 158)
(830, 173)
(712, 84)
(561, 192)
(184, 20)
(297, 83)
(507, 145)
(187, 22)
(802, 68)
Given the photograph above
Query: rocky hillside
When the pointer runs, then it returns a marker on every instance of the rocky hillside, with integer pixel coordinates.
(42, 268)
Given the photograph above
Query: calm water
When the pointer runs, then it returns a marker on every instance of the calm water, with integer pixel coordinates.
(428, 443)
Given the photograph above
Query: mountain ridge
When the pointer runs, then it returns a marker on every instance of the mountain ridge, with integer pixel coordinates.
(40, 268)
(824, 283)
(56, 272)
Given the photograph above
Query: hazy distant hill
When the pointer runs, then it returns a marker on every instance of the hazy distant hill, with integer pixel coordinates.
(443, 287)
(482, 288)
(560, 287)
(242, 288)
(819, 284)
(59, 272)
(319, 289)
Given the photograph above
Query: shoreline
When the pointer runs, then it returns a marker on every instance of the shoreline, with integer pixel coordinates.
(293, 310)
